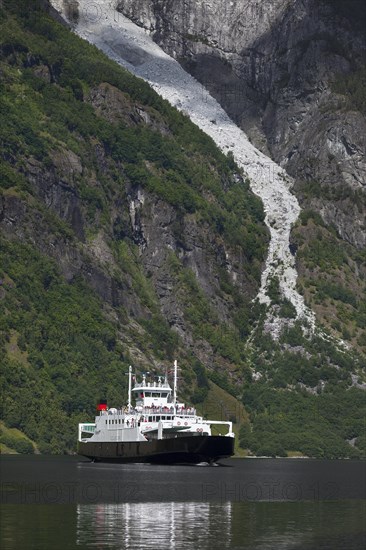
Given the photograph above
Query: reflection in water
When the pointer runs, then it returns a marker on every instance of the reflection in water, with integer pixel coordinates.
(168, 525)
(235, 525)
(51, 503)
(185, 525)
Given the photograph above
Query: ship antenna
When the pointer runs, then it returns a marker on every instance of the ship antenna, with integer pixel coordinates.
(175, 385)
(129, 406)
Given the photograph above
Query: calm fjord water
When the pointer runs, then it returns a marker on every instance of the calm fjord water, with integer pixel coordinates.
(256, 504)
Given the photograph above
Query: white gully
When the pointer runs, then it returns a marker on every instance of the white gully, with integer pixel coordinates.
(132, 47)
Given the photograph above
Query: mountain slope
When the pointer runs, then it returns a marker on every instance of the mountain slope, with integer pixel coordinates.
(291, 73)
(117, 250)
(110, 234)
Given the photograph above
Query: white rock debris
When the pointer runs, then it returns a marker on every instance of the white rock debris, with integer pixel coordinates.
(132, 47)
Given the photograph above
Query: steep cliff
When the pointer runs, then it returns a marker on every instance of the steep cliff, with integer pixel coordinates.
(114, 246)
(277, 68)
(291, 73)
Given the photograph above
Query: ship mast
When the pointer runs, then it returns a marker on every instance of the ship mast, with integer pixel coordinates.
(129, 388)
(175, 385)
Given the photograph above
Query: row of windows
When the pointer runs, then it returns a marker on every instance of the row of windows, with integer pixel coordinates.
(157, 418)
(154, 394)
(150, 419)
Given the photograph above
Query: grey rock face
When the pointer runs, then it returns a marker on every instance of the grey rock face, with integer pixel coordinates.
(57, 223)
(271, 65)
(160, 231)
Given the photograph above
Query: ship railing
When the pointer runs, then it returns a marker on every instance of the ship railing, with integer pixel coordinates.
(186, 412)
(168, 410)
(150, 410)
(152, 385)
(120, 412)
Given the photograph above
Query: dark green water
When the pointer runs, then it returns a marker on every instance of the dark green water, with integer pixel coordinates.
(63, 502)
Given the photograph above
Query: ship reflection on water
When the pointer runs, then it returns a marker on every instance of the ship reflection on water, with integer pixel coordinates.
(167, 525)
(60, 502)
(218, 526)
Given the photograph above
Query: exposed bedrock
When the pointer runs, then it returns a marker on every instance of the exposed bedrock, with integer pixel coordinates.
(274, 66)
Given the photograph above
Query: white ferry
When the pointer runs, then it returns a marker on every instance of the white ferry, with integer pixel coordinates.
(157, 429)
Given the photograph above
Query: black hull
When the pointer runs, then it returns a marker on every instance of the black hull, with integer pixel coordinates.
(180, 450)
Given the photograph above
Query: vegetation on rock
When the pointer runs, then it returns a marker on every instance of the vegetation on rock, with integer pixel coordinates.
(82, 139)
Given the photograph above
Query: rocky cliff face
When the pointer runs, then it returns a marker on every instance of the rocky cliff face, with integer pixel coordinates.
(128, 240)
(277, 68)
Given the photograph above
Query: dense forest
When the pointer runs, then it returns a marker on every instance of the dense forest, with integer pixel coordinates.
(93, 165)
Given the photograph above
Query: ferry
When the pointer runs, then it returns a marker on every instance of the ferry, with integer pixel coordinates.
(156, 429)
